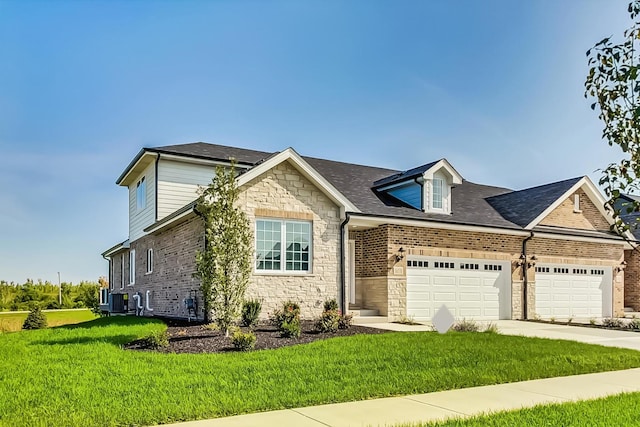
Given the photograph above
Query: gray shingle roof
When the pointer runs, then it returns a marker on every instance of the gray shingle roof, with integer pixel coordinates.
(522, 207)
(204, 150)
(406, 175)
(472, 204)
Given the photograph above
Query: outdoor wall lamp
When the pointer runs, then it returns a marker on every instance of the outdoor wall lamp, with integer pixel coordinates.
(520, 260)
(532, 261)
(621, 267)
(400, 254)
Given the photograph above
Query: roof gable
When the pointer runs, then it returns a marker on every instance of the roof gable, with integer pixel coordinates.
(523, 207)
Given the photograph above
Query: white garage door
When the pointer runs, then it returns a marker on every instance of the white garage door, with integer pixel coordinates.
(565, 291)
(470, 288)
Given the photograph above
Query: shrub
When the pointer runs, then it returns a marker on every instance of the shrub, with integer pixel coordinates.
(243, 341)
(213, 326)
(157, 339)
(491, 328)
(290, 311)
(290, 329)
(329, 321)
(250, 312)
(612, 322)
(345, 321)
(466, 326)
(406, 320)
(36, 319)
(634, 324)
(287, 319)
(331, 305)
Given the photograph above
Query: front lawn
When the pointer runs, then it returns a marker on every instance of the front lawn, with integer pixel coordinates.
(79, 375)
(612, 411)
(11, 321)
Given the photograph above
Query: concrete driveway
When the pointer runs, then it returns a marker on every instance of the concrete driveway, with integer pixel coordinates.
(606, 337)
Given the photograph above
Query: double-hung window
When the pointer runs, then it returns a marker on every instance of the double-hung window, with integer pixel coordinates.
(437, 194)
(149, 260)
(141, 194)
(132, 267)
(283, 245)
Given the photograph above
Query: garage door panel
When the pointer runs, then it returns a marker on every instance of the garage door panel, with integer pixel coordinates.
(573, 295)
(471, 293)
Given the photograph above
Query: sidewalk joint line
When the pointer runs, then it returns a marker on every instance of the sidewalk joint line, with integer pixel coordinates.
(311, 418)
(436, 406)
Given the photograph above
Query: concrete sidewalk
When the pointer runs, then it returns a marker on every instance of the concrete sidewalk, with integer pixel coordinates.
(441, 405)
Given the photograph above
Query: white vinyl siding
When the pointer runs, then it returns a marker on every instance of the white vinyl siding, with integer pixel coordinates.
(139, 219)
(178, 184)
(132, 267)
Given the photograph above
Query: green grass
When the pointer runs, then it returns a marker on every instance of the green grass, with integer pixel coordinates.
(612, 411)
(79, 375)
(12, 321)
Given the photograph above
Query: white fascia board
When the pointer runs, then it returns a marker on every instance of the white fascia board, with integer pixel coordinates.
(373, 221)
(109, 252)
(144, 156)
(612, 240)
(197, 161)
(443, 164)
(305, 169)
(590, 189)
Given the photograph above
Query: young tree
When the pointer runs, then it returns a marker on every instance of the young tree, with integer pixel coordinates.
(613, 87)
(224, 265)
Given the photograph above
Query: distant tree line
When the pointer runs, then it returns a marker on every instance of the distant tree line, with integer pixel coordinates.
(45, 295)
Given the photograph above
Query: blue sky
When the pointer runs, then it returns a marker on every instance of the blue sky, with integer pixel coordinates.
(496, 87)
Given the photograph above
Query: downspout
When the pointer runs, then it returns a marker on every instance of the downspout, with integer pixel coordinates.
(147, 302)
(343, 278)
(525, 267)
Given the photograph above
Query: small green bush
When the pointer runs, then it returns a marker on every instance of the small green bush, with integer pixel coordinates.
(250, 312)
(290, 329)
(36, 319)
(331, 305)
(329, 321)
(287, 319)
(345, 321)
(290, 310)
(612, 322)
(466, 326)
(157, 339)
(243, 341)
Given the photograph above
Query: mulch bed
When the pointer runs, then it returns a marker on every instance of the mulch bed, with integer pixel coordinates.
(194, 338)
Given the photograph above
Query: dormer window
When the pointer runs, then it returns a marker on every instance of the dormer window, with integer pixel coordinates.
(436, 203)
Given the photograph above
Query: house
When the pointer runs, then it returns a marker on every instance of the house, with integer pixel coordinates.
(399, 243)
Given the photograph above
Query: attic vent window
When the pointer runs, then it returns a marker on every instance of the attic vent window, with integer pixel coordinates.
(576, 203)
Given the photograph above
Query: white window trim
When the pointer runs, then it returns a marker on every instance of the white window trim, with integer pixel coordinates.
(141, 199)
(576, 203)
(122, 276)
(433, 192)
(149, 261)
(132, 267)
(283, 230)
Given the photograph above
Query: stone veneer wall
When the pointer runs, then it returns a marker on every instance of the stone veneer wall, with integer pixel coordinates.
(461, 244)
(284, 193)
(171, 281)
(632, 279)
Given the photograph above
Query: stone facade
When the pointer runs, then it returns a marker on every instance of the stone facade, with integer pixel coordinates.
(632, 279)
(380, 276)
(283, 193)
(171, 280)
